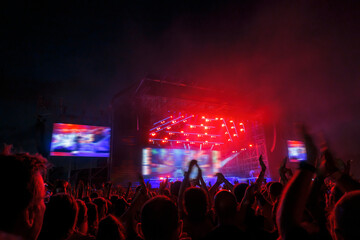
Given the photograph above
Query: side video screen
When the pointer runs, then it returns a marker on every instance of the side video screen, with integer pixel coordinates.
(80, 140)
(172, 163)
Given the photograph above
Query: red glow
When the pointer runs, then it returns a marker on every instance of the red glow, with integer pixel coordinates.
(250, 145)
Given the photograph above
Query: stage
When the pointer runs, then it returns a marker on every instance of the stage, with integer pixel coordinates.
(158, 127)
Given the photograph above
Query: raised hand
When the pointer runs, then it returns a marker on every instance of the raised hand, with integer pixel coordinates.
(311, 149)
(220, 178)
(262, 164)
(192, 164)
(327, 165)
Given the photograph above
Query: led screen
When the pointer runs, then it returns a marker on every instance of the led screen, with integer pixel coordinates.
(296, 150)
(172, 163)
(80, 140)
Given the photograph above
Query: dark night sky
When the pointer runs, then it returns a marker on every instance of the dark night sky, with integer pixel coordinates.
(291, 59)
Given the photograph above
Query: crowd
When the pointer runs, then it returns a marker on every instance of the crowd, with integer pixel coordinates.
(319, 201)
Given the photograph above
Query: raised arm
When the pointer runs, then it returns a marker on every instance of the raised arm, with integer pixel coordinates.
(295, 195)
(215, 187)
(203, 186)
(282, 172)
(185, 183)
(261, 176)
(330, 168)
(227, 183)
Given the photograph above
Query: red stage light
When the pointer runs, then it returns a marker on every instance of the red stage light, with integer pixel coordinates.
(241, 123)
(242, 130)
(205, 133)
(223, 125)
(231, 121)
(153, 134)
(250, 145)
(203, 117)
(235, 135)
(229, 139)
(182, 131)
(199, 135)
(187, 139)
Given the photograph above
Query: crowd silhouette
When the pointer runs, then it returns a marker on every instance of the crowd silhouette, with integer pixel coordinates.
(320, 200)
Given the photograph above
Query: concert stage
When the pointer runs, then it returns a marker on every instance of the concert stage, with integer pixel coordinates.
(159, 126)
